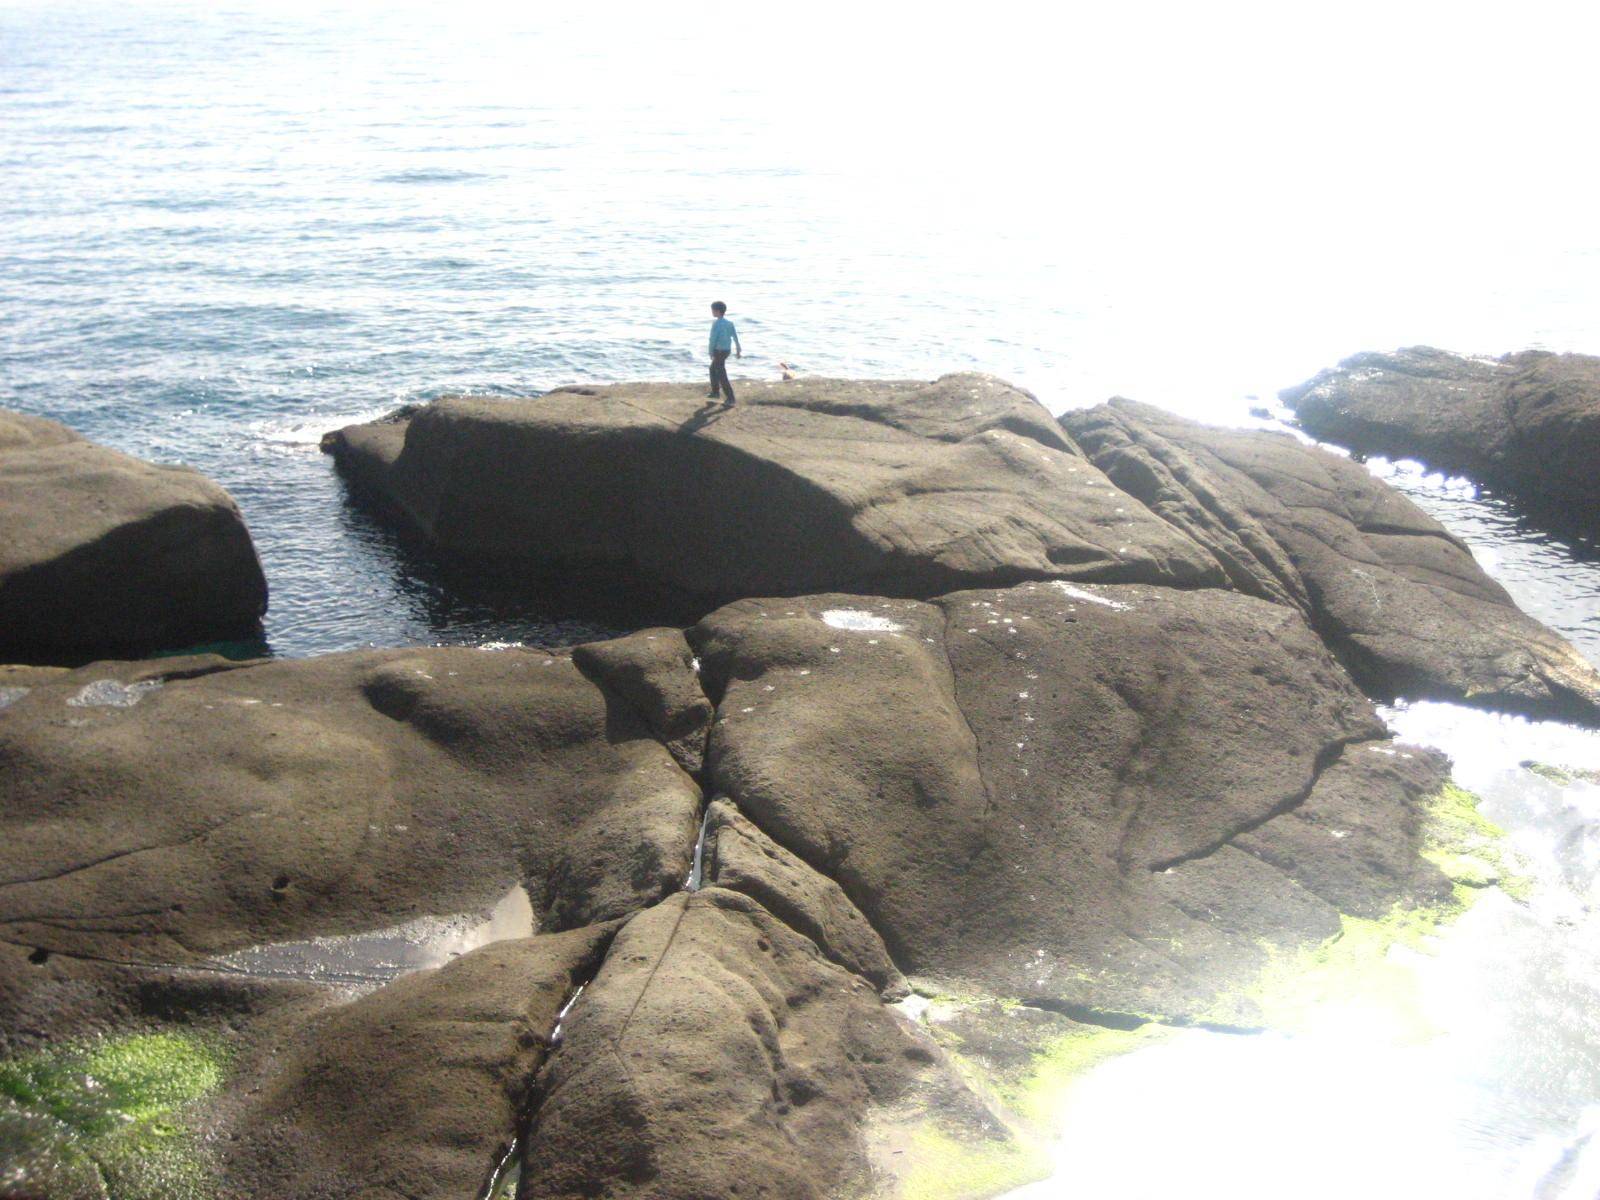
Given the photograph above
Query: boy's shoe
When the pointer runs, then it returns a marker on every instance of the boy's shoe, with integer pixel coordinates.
(712, 395)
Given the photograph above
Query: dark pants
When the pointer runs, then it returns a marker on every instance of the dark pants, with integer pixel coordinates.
(719, 374)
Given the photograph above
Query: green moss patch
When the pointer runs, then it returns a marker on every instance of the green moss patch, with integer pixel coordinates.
(950, 1168)
(105, 1120)
(1561, 776)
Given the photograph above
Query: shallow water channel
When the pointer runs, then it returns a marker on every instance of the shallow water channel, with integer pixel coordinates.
(1472, 1070)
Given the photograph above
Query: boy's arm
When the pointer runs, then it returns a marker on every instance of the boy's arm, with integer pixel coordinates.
(738, 350)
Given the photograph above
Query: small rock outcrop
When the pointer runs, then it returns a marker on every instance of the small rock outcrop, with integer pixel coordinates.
(1526, 423)
(891, 488)
(1396, 596)
(105, 554)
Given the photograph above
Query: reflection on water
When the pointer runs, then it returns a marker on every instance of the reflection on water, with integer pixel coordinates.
(368, 959)
(1479, 1081)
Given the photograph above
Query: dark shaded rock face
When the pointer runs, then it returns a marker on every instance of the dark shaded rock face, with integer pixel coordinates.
(1397, 597)
(102, 553)
(173, 811)
(1088, 796)
(896, 488)
(1528, 423)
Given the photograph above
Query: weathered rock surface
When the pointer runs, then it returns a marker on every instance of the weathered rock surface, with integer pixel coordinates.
(655, 671)
(413, 1092)
(1091, 797)
(1398, 598)
(893, 488)
(741, 858)
(1528, 423)
(172, 811)
(717, 1053)
(103, 553)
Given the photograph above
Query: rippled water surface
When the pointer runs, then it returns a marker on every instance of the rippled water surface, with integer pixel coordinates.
(227, 229)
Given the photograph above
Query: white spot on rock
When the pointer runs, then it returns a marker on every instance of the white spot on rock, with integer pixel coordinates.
(1078, 593)
(857, 621)
(109, 693)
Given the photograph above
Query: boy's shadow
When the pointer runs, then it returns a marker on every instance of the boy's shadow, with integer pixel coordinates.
(707, 414)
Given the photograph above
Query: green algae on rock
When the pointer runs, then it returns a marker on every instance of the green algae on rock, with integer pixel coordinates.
(107, 1118)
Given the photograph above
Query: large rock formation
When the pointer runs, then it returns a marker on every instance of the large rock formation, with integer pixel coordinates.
(102, 553)
(1089, 797)
(1398, 598)
(894, 488)
(172, 812)
(1066, 798)
(1527, 423)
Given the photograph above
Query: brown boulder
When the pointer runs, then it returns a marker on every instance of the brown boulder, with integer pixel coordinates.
(895, 488)
(1394, 594)
(1045, 792)
(717, 1053)
(416, 1090)
(171, 812)
(1528, 423)
(103, 553)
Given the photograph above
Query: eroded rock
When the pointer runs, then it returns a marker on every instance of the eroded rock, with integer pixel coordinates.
(103, 553)
(416, 1090)
(741, 858)
(655, 671)
(1527, 422)
(170, 812)
(1397, 597)
(895, 488)
(717, 1053)
(1042, 792)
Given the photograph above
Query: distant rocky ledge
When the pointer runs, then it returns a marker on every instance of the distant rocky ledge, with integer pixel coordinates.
(1065, 726)
(1526, 423)
(104, 554)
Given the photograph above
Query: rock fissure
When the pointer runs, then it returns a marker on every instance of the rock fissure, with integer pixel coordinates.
(1326, 758)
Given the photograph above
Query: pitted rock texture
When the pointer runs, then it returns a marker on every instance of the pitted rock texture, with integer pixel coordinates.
(1396, 596)
(101, 553)
(1084, 795)
(741, 858)
(414, 1091)
(717, 1053)
(655, 671)
(1528, 423)
(893, 488)
(170, 811)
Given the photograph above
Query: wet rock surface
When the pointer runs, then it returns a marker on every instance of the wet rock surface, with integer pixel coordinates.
(1527, 422)
(1053, 792)
(1397, 597)
(105, 554)
(170, 812)
(896, 488)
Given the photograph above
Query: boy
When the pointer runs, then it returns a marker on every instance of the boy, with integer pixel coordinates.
(724, 337)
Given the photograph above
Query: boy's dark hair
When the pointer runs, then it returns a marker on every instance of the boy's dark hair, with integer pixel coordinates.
(718, 307)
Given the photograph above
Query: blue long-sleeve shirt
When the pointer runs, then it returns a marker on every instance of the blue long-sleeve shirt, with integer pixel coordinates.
(724, 336)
